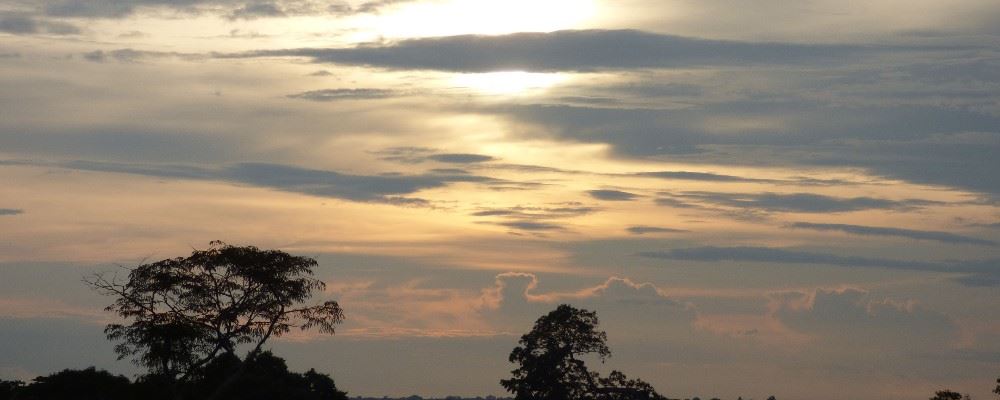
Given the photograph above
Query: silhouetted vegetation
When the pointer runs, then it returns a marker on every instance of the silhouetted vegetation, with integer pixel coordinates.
(183, 313)
(186, 318)
(266, 377)
(947, 395)
(551, 370)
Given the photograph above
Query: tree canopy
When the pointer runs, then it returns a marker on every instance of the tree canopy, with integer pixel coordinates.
(182, 313)
(550, 367)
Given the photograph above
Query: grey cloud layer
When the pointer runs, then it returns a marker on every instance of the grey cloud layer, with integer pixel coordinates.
(11, 211)
(944, 237)
(375, 188)
(787, 202)
(580, 50)
(980, 272)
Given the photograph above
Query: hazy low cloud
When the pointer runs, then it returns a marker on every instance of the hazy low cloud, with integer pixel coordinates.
(565, 210)
(25, 25)
(375, 188)
(702, 176)
(945, 237)
(787, 256)
(344, 94)
(414, 155)
(532, 225)
(642, 229)
(856, 318)
(132, 55)
(11, 211)
(789, 202)
(612, 195)
(257, 10)
(460, 158)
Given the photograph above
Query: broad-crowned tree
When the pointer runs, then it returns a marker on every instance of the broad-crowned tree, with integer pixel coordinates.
(182, 313)
(549, 357)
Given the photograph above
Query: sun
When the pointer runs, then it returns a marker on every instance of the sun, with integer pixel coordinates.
(507, 82)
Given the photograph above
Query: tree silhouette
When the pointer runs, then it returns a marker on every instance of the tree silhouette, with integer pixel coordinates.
(550, 367)
(86, 384)
(183, 313)
(997, 389)
(946, 395)
(9, 388)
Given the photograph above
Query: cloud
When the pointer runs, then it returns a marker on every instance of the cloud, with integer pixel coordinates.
(414, 155)
(460, 158)
(944, 237)
(854, 317)
(642, 229)
(612, 195)
(532, 225)
(344, 94)
(980, 268)
(257, 10)
(11, 211)
(365, 188)
(132, 55)
(26, 25)
(790, 202)
(565, 210)
(701, 176)
(572, 50)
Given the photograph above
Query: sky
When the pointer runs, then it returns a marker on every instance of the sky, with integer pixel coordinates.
(798, 199)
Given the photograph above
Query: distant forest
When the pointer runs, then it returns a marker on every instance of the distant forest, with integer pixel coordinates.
(188, 320)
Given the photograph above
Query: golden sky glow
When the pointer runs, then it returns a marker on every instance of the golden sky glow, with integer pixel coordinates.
(755, 190)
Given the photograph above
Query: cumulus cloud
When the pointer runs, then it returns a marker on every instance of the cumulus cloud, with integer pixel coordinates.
(945, 237)
(857, 318)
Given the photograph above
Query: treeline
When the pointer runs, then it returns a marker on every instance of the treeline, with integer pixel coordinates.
(265, 377)
(185, 319)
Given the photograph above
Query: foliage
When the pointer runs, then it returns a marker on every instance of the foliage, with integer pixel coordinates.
(266, 378)
(619, 387)
(86, 384)
(946, 395)
(182, 313)
(9, 388)
(550, 367)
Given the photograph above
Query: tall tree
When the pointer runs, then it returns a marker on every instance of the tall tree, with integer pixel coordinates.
(182, 313)
(550, 364)
(550, 368)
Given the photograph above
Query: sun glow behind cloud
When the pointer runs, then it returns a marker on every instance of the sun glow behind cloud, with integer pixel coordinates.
(507, 82)
(482, 17)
